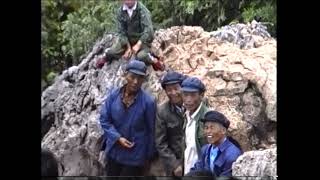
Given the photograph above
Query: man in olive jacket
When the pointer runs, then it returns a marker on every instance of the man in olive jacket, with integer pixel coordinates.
(135, 34)
(192, 94)
(169, 125)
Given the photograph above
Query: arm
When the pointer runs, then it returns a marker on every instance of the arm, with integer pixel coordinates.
(150, 116)
(227, 169)
(162, 144)
(106, 123)
(200, 164)
(147, 26)
(122, 30)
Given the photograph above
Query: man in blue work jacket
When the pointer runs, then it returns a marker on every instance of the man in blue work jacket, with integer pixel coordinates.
(128, 121)
(218, 156)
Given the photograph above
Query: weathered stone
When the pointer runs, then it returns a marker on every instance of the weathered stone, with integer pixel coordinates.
(241, 83)
(262, 164)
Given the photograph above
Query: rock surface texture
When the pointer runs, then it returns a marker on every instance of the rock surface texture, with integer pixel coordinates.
(262, 164)
(240, 79)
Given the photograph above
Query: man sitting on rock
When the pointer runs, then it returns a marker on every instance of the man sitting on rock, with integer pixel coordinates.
(219, 155)
(135, 35)
(128, 121)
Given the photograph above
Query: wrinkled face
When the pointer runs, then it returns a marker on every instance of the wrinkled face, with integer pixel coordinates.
(214, 132)
(129, 3)
(134, 81)
(174, 93)
(192, 100)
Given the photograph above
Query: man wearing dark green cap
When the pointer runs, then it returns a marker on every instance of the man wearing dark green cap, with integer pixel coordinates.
(135, 34)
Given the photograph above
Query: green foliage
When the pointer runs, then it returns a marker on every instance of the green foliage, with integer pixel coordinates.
(53, 12)
(51, 76)
(70, 27)
(210, 14)
(266, 10)
(85, 26)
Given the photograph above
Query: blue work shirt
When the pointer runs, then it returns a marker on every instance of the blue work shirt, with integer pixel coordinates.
(135, 123)
(227, 154)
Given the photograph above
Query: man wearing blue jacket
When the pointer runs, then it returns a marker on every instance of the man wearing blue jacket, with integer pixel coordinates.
(128, 121)
(218, 156)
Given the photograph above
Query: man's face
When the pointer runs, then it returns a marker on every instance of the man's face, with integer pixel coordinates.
(129, 3)
(214, 132)
(134, 81)
(173, 92)
(192, 100)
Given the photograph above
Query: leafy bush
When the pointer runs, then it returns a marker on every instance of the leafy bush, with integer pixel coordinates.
(210, 14)
(70, 27)
(85, 26)
(265, 11)
(51, 76)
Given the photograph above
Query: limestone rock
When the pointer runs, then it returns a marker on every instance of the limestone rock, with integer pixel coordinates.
(262, 164)
(241, 83)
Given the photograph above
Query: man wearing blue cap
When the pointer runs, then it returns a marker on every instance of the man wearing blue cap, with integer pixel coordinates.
(192, 94)
(218, 156)
(169, 125)
(128, 121)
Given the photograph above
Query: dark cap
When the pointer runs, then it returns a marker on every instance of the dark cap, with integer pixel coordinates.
(215, 116)
(137, 67)
(172, 77)
(192, 84)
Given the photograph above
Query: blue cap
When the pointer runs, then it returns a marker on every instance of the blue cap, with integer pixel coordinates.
(172, 77)
(192, 84)
(137, 67)
(215, 116)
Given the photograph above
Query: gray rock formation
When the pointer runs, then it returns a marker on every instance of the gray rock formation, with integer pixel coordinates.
(246, 36)
(241, 84)
(261, 164)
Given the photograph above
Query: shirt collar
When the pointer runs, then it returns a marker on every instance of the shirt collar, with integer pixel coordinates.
(122, 92)
(125, 7)
(175, 108)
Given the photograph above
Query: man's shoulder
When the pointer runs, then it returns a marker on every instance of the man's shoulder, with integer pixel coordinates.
(164, 106)
(119, 9)
(142, 7)
(205, 108)
(232, 150)
(148, 97)
(113, 92)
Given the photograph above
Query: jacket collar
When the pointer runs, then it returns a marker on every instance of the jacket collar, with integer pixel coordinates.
(200, 112)
(174, 109)
(224, 144)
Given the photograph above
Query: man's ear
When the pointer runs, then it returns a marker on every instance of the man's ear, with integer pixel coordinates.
(202, 94)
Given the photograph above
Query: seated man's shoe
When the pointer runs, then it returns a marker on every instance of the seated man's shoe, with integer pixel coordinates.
(100, 62)
(158, 66)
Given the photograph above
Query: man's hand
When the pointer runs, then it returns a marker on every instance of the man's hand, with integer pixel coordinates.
(178, 171)
(127, 54)
(125, 143)
(136, 47)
